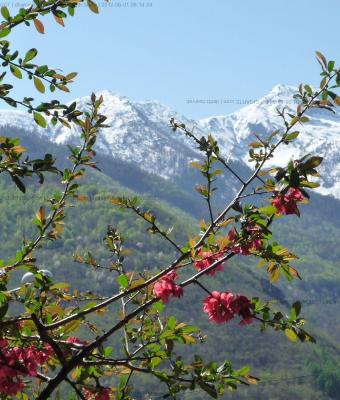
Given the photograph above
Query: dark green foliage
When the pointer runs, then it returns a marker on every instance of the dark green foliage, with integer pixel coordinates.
(86, 226)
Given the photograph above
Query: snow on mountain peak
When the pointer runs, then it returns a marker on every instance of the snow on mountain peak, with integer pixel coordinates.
(20, 120)
(283, 90)
(139, 132)
(320, 136)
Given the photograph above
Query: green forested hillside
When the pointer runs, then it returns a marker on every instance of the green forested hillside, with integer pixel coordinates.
(288, 370)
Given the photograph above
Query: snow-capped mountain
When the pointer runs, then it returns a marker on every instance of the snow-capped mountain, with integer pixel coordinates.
(139, 132)
(320, 136)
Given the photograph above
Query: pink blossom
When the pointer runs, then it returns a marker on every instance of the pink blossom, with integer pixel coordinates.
(18, 362)
(222, 307)
(75, 340)
(286, 204)
(207, 258)
(217, 307)
(99, 394)
(241, 305)
(250, 244)
(166, 287)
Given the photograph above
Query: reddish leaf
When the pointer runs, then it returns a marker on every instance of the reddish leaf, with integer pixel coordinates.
(39, 26)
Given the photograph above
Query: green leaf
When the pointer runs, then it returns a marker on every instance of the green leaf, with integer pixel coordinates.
(196, 164)
(63, 88)
(5, 32)
(40, 120)
(294, 121)
(71, 76)
(274, 275)
(10, 101)
(208, 389)
(308, 89)
(19, 184)
(296, 309)
(243, 371)
(5, 13)
(16, 71)
(216, 172)
(291, 335)
(30, 55)
(89, 306)
(311, 185)
(108, 351)
(155, 361)
(312, 162)
(330, 66)
(268, 210)
(292, 136)
(3, 310)
(158, 306)
(323, 84)
(123, 281)
(171, 322)
(60, 285)
(72, 326)
(41, 70)
(39, 85)
(161, 376)
(149, 217)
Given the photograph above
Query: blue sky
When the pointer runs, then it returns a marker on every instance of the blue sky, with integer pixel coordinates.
(176, 51)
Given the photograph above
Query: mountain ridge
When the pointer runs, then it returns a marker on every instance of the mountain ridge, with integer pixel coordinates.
(314, 237)
(139, 132)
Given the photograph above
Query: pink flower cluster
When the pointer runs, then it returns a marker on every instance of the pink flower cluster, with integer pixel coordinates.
(100, 394)
(286, 204)
(17, 363)
(207, 258)
(75, 340)
(222, 307)
(166, 287)
(246, 248)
